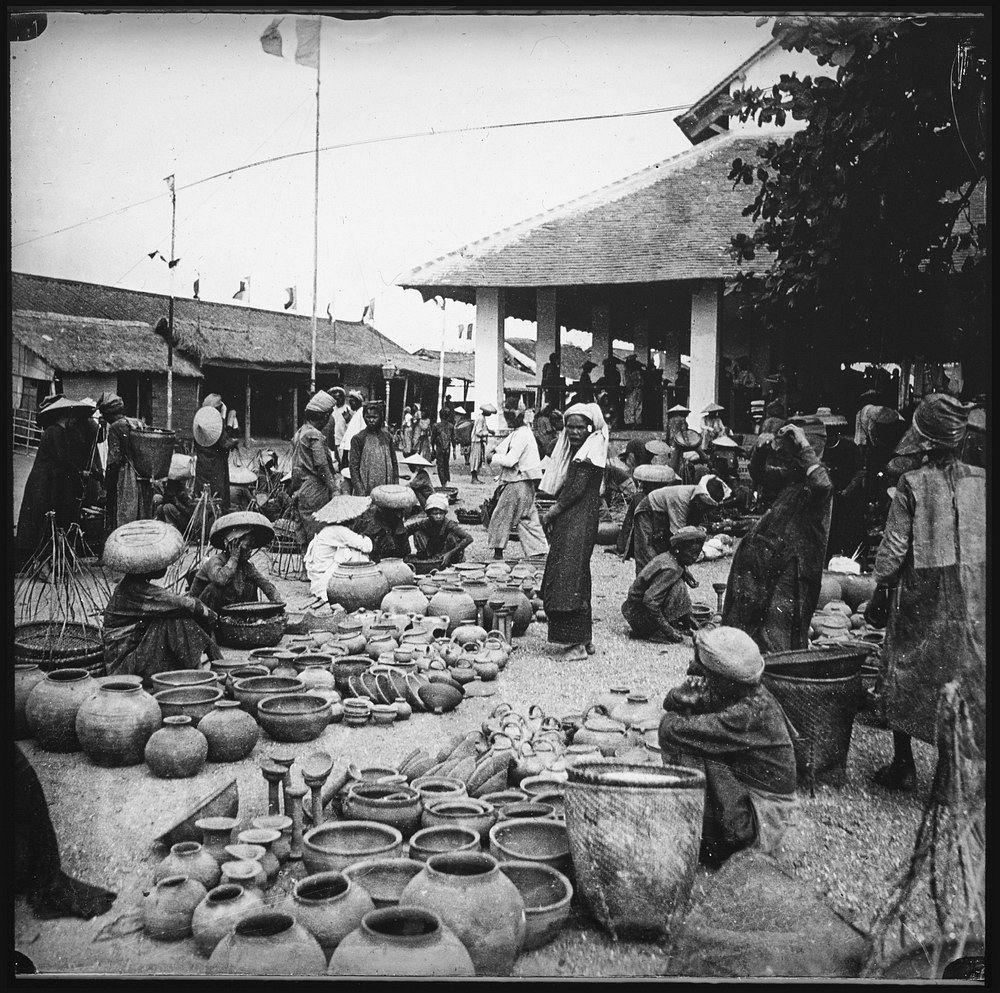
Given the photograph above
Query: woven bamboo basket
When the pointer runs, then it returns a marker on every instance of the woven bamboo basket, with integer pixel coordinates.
(265, 632)
(53, 645)
(634, 834)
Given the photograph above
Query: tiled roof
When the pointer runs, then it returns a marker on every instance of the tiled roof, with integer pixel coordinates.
(219, 333)
(95, 344)
(673, 220)
(461, 365)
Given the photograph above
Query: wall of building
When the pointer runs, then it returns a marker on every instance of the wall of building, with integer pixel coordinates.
(78, 385)
(186, 403)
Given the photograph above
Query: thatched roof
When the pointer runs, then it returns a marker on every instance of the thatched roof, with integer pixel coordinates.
(95, 344)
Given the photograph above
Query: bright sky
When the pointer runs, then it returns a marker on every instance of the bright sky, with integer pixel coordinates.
(104, 106)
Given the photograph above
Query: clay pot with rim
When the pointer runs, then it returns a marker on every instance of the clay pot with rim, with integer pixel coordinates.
(188, 701)
(281, 823)
(329, 906)
(405, 598)
(356, 585)
(248, 873)
(476, 815)
(249, 692)
(216, 833)
(441, 840)
(265, 838)
(335, 845)
(177, 750)
(401, 941)
(220, 911)
(267, 943)
(434, 788)
(175, 678)
(26, 677)
(115, 723)
(636, 708)
(168, 907)
(52, 708)
(513, 596)
(478, 902)
(455, 604)
(546, 893)
(381, 638)
(188, 858)
(397, 572)
(232, 734)
(396, 805)
(467, 633)
(383, 879)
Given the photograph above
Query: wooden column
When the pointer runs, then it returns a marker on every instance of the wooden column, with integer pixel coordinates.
(246, 419)
(295, 409)
(706, 329)
(489, 364)
(600, 329)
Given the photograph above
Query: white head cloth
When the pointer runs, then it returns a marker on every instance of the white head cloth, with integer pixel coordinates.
(594, 448)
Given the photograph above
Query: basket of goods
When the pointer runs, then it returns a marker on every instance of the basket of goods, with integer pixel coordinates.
(141, 547)
(58, 645)
(820, 691)
(451, 492)
(469, 516)
(393, 496)
(423, 567)
(251, 625)
(151, 450)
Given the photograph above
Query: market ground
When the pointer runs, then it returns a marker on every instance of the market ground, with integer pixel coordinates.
(849, 843)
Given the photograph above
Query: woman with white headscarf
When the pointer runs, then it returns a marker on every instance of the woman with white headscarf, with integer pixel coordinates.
(574, 478)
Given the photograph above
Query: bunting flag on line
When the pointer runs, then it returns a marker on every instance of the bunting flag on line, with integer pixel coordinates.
(329, 313)
(172, 263)
(241, 292)
(307, 34)
(293, 293)
(197, 286)
(369, 315)
(169, 180)
(153, 254)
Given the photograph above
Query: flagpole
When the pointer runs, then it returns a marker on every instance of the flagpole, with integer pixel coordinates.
(312, 366)
(170, 307)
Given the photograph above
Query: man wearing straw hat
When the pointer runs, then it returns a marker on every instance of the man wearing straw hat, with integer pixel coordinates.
(420, 482)
(213, 440)
(437, 537)
(173, 502)
(722, 716)
(383, 521)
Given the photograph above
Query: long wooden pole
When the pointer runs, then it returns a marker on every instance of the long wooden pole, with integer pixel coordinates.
(444, 338)
(170, 307)
(312, 366)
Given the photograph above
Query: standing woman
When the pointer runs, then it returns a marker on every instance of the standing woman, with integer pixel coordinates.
(407, 437)
(313, 482)
(122, 504)
(424, 446)
(480, 436)
(574, 478)
(212, 443)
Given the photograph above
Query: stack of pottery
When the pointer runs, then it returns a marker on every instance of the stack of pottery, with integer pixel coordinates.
(357, 711)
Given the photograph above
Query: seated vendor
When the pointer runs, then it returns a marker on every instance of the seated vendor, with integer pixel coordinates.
(148, 629)
(723, 716)
(228, 576)
(658, 601)
(383, 522)
(172, 501)
(437, 537)
(339, 540)
(645, 479)
(420, 482)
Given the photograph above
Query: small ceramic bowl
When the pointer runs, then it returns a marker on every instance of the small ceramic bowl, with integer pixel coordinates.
(437, 840)
(384, 879)
(546, 893)
(383, 713)
(188, 701)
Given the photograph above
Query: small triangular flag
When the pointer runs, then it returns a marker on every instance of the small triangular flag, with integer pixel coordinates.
(172, 263)
(292, 295)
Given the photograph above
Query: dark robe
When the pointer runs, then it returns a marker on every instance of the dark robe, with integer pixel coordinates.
(372, 461)
(776, 572)
(387, 532)
(847, 516)
(658, 598)
(422, 486)
(122, 505)
(222, 579)
(566, 583)
(212, 468)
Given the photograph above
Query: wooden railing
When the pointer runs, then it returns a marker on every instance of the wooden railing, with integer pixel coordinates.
(27, 433)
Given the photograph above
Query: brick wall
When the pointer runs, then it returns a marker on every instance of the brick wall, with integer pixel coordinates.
(186, 402)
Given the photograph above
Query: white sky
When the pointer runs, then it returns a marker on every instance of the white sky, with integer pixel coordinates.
(103, 106)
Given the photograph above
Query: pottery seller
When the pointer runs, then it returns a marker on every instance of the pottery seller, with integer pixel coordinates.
(437, 537)
(227, 575)
(658, 601)
(420, 482)
(148, 629)
(383, 521)
(724, 717)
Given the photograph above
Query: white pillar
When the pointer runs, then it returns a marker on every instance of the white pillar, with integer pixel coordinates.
(640, 339)
(706, 312)
(548, 326)
(489, 352)
(600, 329)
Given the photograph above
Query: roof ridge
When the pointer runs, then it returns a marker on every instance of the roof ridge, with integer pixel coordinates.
(77, 318)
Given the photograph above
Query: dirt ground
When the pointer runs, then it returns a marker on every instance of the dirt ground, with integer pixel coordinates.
(849, 843)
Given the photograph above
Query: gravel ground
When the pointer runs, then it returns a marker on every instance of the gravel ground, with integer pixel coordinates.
(848, 842)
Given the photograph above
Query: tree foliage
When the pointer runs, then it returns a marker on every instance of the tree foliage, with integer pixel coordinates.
(866, 216)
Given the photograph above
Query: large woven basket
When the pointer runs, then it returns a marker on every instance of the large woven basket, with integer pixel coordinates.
(142, 546)
(820, 692)
(151, 450)
(257, 633)
(634, 834)
(53, 645)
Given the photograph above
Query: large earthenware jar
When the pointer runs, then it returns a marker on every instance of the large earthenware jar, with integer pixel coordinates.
(329, 906)
(177, 750)
(478, 902)
(188, 858)
(230, 731)
(52, 707)
(397, 572)
(512, 595)
(26, 677)
(830, 588)
(221, 910)
(267, 944)
(381, 638)
(857, 589)
(169, 906)
(401, 941)
(405, 599)
(115, 723)
(357, 584)
(455, 604)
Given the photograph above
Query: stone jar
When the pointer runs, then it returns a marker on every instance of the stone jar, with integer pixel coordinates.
(188, 858)
(230, 731)
(397, 573)
(177, 750)
(466, 633)
(455, 604)
(267, 944)
(405, 598)
(115, 723)
(216, 833)
(357, 584)
(26, 677)
(401, 941)
(168, 907)
(329, 906)
(478, 902)
(216, 915)
(52, 707)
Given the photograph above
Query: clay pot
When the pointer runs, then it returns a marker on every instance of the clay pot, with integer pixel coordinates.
(335, 845)
(434, 788)
(249, 692)
(231, 733)
(248, 873)
(383, 879)
(190, 859)
(250, 669)
(26, 678)
(403, 710)
(188, 701)
(179, 678)
(397, 572)
(267, 944)
(381, 638)
(357, 585)
(404, 598)
(513, 596)
(435, 625)
(177, 750)
(353, 641)
(294, 716)
(534, 839)
(329, 906)
(281, 846)
(168, 908)
(216, 915)
(265, 838)
(398, 806)
(115, 723)
(611, 699)
(455, 604)
(525, 810)
(482, 906)
(857, 589)
(346, 667)
(830, 588)
(476, 815)
(606, 734)
(484, 669)
(216, 833)
(401, 941)
(546, 893)
(497, 571)
(52, 707)
(466, 634)
(635, 708)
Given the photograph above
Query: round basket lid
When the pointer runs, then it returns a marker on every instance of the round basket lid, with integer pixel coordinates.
(393, 497)
(661, 474)
(142, 546)
(241, 475)
(642, 776)
(263, 530)
(343, 507)
(687, 439)
(207, 426)
(656, 447)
